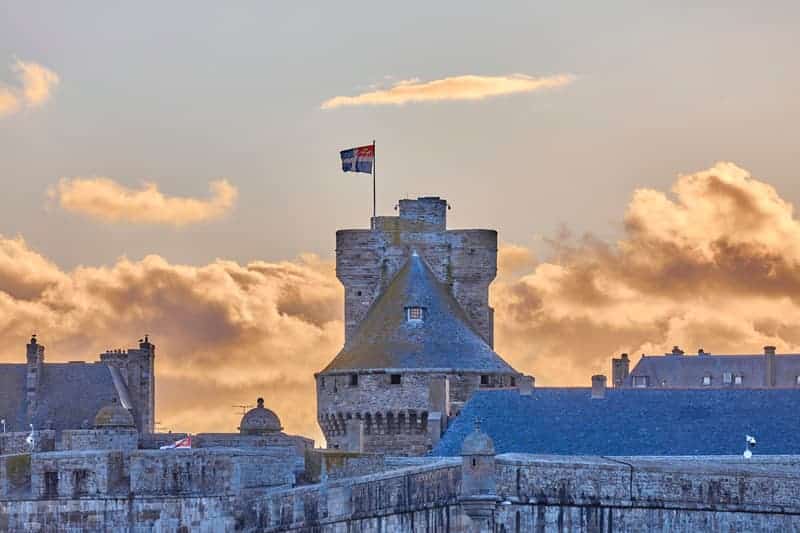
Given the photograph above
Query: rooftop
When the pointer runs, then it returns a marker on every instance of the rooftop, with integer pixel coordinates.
(442, 338)
(566, 421)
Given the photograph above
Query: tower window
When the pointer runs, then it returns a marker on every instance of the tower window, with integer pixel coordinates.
(706, 381)
(737, 380)
(354, 380)
(727, 378)
(484, 380)
(395, 379)
(414, 314)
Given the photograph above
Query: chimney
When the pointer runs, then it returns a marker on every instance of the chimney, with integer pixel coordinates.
(676, 351)
(620, 368)
(35, 360)
(526, 385)
(769, 374)
(598, 387)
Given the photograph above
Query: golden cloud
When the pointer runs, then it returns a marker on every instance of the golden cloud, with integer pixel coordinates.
(36, 86)
(714, 265)
(467, 87)
(106, 200)
(226, 333)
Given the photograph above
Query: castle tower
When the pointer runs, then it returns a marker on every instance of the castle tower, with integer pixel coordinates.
(413, 346)
(464, 260)
(136, 366)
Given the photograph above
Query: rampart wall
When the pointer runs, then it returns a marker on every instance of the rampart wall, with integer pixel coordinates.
(534, 493)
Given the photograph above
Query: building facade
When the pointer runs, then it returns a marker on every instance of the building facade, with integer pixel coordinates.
(65, 396)
(676, 370)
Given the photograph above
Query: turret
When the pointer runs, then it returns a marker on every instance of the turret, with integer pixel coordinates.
(478, 479)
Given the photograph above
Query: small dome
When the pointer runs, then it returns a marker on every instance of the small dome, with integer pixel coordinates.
(260, 421)
(114, 415)
(477, 442)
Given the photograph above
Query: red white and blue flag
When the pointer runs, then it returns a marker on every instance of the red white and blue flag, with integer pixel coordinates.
(358, 159)
(185, 442)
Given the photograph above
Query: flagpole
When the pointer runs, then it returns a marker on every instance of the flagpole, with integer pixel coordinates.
(374, 209)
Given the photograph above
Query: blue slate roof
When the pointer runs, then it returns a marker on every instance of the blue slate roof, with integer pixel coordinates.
(687, 371)
(444, 339)
(566, 421)
(68, 395)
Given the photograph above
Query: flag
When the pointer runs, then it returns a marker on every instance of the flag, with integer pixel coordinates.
(185, 442)
(358, 159)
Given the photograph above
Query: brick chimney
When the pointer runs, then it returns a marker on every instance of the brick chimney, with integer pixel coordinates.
(769, 374)
(598, 387)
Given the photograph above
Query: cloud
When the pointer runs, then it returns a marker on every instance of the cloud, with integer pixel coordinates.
(712, 265)
(36, 86)
(467, 87)
(106, 200)
(225, 332)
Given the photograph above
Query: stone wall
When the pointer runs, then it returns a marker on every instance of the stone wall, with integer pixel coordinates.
(236, 440)
(558, 494)
(208, 471)
(395, 416)
(534, 493)
(77, 474)
(15, 442)
(98, 439)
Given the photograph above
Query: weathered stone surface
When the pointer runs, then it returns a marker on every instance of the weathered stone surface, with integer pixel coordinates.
(535, 493)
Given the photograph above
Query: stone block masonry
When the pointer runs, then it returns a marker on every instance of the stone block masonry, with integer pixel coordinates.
(534, 493)
(466, 260)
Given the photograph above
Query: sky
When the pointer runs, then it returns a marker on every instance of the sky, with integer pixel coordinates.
(173, 170)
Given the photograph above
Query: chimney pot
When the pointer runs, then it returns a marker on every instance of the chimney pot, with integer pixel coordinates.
(598, 387)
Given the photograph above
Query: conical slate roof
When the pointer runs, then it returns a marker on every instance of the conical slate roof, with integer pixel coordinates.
(443, 339)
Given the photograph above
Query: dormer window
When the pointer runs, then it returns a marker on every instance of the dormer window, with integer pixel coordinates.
(415, 314)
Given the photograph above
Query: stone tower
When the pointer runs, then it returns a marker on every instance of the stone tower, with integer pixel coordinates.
(136, 367)
(464, 260)
(418, 330)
